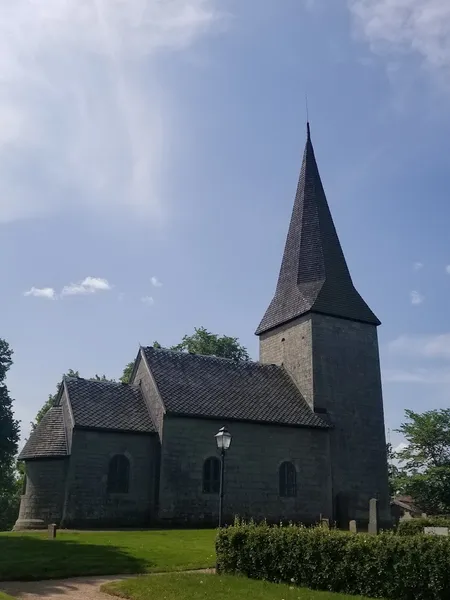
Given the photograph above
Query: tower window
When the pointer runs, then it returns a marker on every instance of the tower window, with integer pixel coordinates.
(118, 474)
(211, 475)
(288, 480)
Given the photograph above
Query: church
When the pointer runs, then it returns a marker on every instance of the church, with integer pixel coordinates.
(306, 420)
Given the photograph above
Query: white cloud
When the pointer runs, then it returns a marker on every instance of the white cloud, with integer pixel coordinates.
(416, 298)
(417, 266)
(90, 285)
(447, 269)
(427, 346)
(421, 27)
(83, 119)
(400, 447)
(424, 376)
(156, 282)
(47, 292)
(148, 300)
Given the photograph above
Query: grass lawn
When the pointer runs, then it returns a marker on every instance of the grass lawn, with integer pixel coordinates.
(5, 596)
(187, 586)
(32, 556)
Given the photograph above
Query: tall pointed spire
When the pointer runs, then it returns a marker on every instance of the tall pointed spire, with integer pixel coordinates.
(314, 276)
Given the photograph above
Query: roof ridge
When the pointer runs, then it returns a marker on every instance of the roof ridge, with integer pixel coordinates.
(101, 381)
(211, 357)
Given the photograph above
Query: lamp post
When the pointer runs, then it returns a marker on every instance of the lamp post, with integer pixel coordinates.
(223, 441)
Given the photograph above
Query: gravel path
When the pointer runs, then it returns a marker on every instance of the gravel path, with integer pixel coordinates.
(75, 588)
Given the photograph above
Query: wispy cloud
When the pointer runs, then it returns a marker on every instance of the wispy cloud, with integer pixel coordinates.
(148, 300)
(83, 117)
(427, 346)
(416, 298)
(156, 282)
(89, 285)
(424, 376)
(46, 292)
(417, 266)
(420, 27)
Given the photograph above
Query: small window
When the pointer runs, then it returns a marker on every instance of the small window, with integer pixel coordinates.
(288, 480)
(211, 476)
(118, 474)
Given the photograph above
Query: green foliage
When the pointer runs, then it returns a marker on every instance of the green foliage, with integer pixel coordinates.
(394, 472)
(425, 473)
(126, 375)
(204, 342)
(386, 565)
(415, 526)
(9, 438)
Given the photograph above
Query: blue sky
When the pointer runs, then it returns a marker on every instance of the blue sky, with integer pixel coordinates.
(149, 154)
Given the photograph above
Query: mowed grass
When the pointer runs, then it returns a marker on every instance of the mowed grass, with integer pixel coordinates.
(188, 586)
(5, 596)
(32, 556)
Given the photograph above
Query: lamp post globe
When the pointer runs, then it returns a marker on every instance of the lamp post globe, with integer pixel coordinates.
(223, 441)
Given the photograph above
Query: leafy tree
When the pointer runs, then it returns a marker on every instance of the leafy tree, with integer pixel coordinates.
(426, 459)
(204, 342)
(9, 438)
(394, 472)
(126, 375)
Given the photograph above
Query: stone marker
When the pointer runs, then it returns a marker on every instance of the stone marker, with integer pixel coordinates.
(52, 531)
(373, 516)
(325, 523)
(352, 527)
(436, 530)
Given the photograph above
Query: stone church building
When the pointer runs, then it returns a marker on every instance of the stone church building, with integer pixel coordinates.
(306, 421)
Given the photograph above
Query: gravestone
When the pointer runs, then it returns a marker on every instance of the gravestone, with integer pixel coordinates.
(52, 531)
(436, 530)
(325, 523)
(373, 516)
(352, 527)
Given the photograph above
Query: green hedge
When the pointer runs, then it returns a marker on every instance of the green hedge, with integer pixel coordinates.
(415, 526)
(383, 566)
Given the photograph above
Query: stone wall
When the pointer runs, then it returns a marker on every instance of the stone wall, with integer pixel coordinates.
(347, 382)
(150, 393)
(87, 501)
(291, 345)
(251, 473)
(42, 502)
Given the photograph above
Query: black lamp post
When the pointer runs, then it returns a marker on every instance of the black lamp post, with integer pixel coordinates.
(223, 441)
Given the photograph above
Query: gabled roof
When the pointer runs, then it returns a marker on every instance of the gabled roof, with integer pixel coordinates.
(107, 405)
(209, 387)
(48, 439)
(314, 275)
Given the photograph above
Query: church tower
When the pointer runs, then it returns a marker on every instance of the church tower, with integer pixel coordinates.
(325, 335)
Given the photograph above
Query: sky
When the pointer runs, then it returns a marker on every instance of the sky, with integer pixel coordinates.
(149, 155)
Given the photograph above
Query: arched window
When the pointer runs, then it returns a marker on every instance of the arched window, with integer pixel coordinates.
(211, 475)
(118, 474)
(288, 480)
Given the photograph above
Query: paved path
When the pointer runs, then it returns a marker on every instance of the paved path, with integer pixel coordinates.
(75, 588)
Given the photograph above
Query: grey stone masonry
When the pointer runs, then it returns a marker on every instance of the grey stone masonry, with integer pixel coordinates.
(251, 472)
(87, 500)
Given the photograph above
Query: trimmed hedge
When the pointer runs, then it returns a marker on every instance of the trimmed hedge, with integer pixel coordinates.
(415, 526)
(379, 566)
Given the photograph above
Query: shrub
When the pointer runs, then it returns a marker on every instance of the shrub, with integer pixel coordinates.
(383, 566)
(415, 526)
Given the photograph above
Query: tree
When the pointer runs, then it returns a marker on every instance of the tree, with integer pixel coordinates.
(9, 439)
(204, 342)
(394, 473)
(426, 459)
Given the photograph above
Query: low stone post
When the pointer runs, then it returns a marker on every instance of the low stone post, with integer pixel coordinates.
(52, 531)
(352, 527)
(373, 516)
(325, 523)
